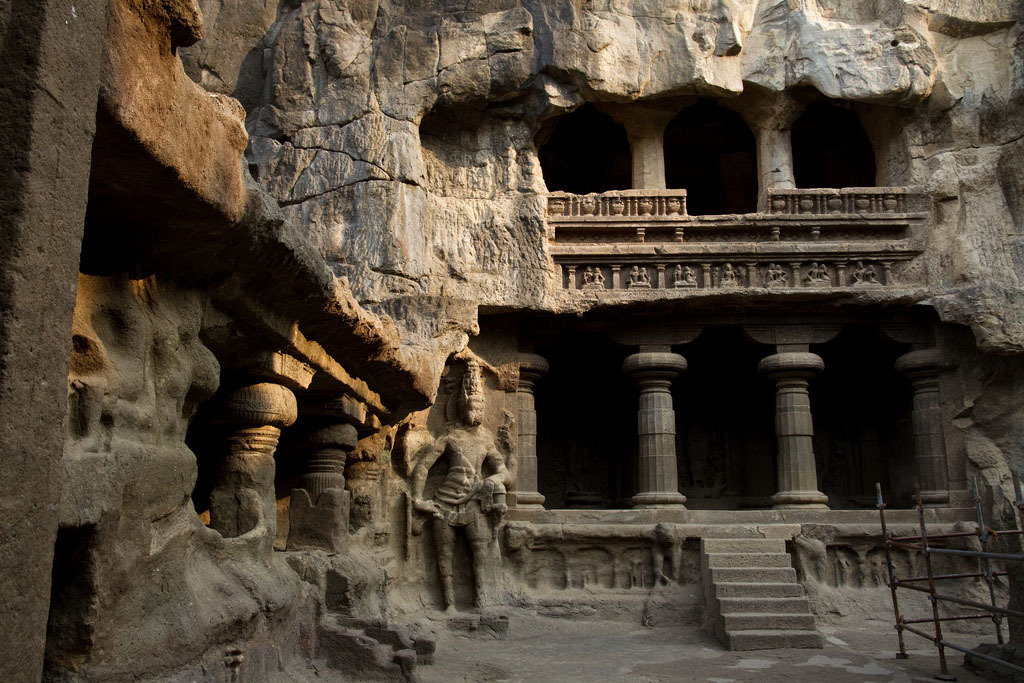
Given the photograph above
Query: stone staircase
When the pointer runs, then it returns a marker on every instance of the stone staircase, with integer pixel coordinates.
(372, 649)
(753, 595)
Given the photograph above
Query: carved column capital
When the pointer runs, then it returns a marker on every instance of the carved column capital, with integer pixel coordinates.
(531, 368)
(260, 404)
(645, 366)
(922, 363)
(791, 365)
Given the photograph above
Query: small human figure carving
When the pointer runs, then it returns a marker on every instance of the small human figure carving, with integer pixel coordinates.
(728, 278)
(636, 574)
(684, 277)
(864, 274)
(638, 278)
(776, 276)
(593, 278)
(465, 499)
(817, 275)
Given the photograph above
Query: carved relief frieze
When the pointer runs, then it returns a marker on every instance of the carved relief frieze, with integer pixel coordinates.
(660, 278)
(850, 200)
(622, 204)
(821, 240)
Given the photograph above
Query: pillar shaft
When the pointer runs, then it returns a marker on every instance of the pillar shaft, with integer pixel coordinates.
(794, 429)
(319, 512)
(922, 367)
(653, 372)
(648, 148)
(242, 498)
(775, 160)
(531, 368)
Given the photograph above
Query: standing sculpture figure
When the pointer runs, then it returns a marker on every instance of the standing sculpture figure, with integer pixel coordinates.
(465, 499)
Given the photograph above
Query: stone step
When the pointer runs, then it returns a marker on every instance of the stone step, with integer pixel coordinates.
(743, 545)
(771, 639)
(758, 590)
(763, 606)
(752, 574)
(747, 560)
(761, 621)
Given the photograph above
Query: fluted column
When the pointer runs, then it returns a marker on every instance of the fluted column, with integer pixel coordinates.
(319, 512)
(922, 367)
(242, 498)
(653, 372)
(794, 428)
(531, 368)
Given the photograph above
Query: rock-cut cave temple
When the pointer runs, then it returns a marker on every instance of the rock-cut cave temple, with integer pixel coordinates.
(323, 320)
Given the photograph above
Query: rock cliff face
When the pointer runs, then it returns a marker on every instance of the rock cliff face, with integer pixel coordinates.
(403, 136)
(326, 225)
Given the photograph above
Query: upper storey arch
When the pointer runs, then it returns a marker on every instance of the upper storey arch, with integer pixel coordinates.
(831, 148)
(585, 151)
(711, 152)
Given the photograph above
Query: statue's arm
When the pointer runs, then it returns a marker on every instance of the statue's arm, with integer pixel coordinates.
(428, 456)
(500, 475)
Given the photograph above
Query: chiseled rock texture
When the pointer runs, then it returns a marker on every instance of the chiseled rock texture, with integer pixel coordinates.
(402, 135)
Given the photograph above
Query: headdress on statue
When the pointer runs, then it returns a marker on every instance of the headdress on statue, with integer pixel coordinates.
(472, 382)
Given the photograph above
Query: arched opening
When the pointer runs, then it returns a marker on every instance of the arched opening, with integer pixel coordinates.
(711, 152)
(586, 151)
(831, 149)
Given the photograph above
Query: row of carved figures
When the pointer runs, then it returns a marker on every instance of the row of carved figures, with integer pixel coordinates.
(728, 275)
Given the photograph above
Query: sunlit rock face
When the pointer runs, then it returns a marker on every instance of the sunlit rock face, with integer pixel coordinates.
(404, 136)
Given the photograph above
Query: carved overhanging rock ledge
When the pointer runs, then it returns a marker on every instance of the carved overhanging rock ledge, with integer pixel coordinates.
(821, 239)
(188, 210)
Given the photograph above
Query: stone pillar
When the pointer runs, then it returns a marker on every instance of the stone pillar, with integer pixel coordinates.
(794, 429)
(653, 372)
(319, 510)
(648, 147)
(531, 368)
(242, 498)
(770, 116)
(53, 62)
(922, 367)
(645, 128)
(774, 159)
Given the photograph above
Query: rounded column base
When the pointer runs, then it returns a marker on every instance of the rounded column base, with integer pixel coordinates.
(528, 500)
(936, 497)
(659, 499)
(808, 500)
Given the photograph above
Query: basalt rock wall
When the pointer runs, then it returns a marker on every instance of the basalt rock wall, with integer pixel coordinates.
(403, 136)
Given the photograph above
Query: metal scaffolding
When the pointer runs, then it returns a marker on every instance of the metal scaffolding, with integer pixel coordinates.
(923, 544)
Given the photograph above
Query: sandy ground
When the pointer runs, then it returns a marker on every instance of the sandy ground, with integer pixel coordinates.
(546, 649)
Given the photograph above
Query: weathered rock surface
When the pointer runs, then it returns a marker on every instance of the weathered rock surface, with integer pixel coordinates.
(403, 138)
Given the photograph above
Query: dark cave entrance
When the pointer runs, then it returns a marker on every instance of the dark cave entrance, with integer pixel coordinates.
(586, 414)
(725, 433)
(711, 152)
(585, 151)
(830, 148)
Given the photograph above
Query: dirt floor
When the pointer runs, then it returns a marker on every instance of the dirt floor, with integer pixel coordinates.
(546, 649)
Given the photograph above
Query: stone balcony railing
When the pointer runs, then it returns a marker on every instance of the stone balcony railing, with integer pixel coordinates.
(643, 241)
(862, 201)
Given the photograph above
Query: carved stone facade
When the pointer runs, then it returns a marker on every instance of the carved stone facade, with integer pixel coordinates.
(837, 240)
